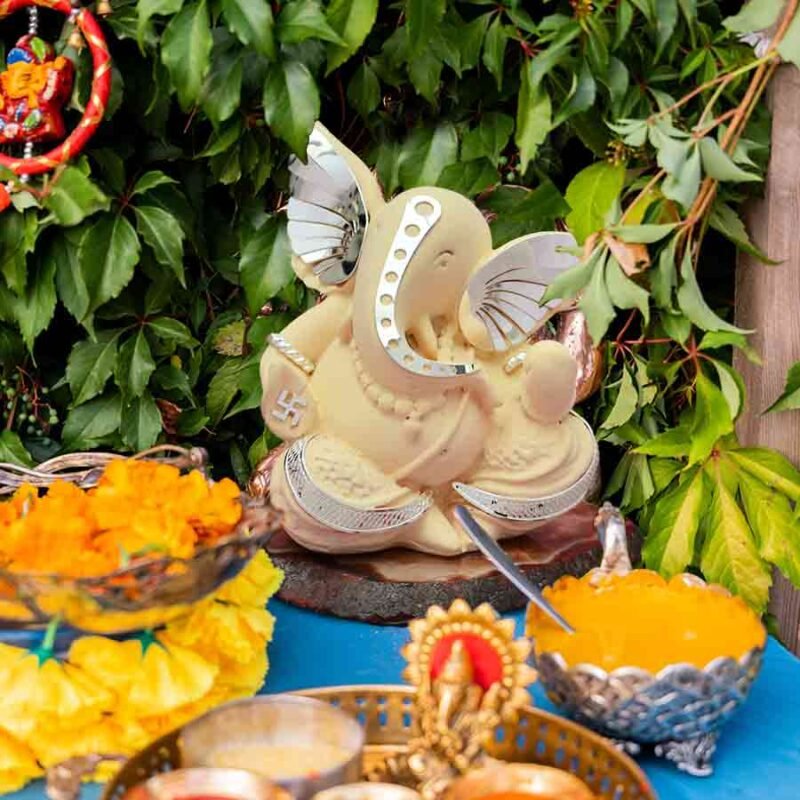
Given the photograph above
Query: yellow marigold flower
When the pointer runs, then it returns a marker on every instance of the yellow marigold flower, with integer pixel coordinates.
(17, 764)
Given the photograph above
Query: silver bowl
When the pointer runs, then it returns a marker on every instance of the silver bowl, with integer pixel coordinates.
(284, 720)
(679, 709)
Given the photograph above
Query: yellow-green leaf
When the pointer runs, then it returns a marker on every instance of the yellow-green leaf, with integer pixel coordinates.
(534, 117)
(770, 467)
(591, 195)
(625, 404)
(670, 544)
(729, 555)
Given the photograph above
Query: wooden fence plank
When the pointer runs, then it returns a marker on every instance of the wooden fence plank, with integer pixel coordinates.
(768, 299)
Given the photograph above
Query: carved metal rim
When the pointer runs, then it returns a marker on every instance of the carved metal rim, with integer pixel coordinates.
(533, 509)
(645, 678)
(335, 514)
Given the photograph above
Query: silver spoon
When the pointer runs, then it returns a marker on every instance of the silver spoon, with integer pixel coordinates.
(506, 566)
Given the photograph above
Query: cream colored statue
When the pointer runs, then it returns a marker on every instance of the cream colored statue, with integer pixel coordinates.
(412, 386)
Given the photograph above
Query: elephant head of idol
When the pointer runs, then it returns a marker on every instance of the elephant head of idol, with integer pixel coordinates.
(430, 295)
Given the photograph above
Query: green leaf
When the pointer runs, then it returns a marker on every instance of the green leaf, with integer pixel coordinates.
(36, 307)
(223, 88)
(489, 138)
(664, 276)
(150, 180)
(663, 471)
(570, 282)
(669, 547)
(304, 19)
(789, 46)
(135, 365)
(172, 330)
(92, 422)
(756, 15)
(141, 423)
(642, 234)
(581, 97)
(770, 467)
(146, 9)
(17, 238)
(364, 90)
(107, 255)
(790, 397)
(291, 103)
(169, 378)
(666, 19)
(683, 185)
(718, 339)
(352, 20)
(689, 9)
(719, 165)
(266, 264)
(72, 291)
(558, 51)
(591, 194)
(422, 19)
(186, 50)
(596, 304)
(425, 72)
(469, 177)
(164, 234)
(426, 153)
(90, 365)
(672, 443)
(624, 293)
(625, 405)
(534, 118)
(223, 388)
(693, 304)
(732, 386)
(13, 451)
(712, 419)
(771, 519)
(470, 40)
(494, 49)
(518, 211)
(728, 222)
(73, 197)
(676, 326)
(729, 555)
(251, 21)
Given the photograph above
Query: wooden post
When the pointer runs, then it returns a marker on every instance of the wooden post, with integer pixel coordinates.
(768, 299)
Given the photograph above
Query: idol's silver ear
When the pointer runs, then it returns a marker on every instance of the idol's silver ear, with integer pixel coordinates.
(501, 306)
(327, 210)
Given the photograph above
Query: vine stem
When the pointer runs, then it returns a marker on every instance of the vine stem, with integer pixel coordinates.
(727, 77)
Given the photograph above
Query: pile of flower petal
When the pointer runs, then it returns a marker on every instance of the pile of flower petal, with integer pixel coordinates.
(138, 509)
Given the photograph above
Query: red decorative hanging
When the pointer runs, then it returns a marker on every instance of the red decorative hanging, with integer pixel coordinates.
(36, 84)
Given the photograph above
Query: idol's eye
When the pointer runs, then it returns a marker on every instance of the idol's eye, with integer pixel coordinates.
(442, 261)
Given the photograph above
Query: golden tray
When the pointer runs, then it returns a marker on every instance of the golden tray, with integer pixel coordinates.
(388, 715)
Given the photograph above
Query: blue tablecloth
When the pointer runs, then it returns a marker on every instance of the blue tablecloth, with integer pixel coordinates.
(758, 756)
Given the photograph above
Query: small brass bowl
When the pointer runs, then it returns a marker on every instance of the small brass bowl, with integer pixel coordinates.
(277, 721)
(368, 791)
(237, 784)
(533, 780)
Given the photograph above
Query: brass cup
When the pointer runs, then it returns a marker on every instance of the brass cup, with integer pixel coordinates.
(534, 780)
(237, 784)
(368, 791)
(281, 720)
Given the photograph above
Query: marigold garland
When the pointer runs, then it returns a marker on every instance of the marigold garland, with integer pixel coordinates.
(113, 697)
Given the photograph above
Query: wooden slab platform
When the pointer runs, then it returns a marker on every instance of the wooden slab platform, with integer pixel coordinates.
(397, 585)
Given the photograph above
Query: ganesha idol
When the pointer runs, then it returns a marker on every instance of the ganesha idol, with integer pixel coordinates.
(413, 387)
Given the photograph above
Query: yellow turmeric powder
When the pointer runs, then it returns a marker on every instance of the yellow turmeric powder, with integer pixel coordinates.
(642, 620)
